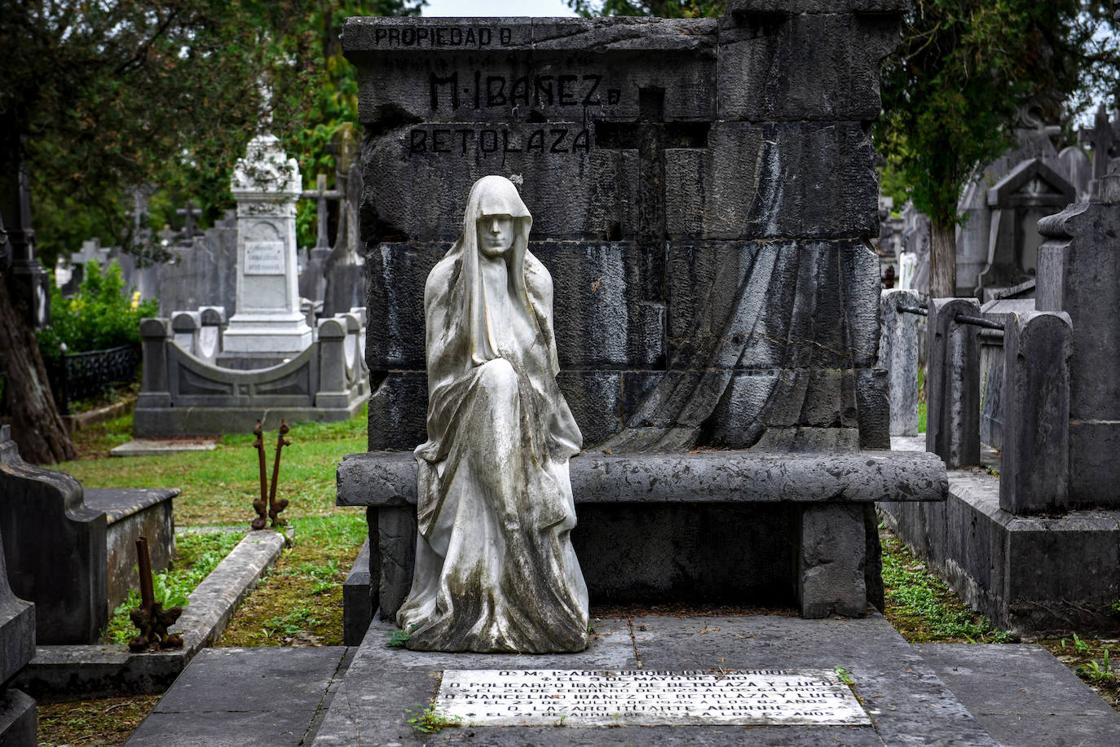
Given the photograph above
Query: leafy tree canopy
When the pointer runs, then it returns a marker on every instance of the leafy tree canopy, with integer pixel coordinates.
(969, 71)
(109, 96)
(659, 8)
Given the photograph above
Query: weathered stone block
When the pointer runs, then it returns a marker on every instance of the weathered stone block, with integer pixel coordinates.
(18, 719)
(595, 398)
(831, 562)
(1034, 469)
(953, 383)
(395, 303)
(602, 318)
(783, 7)
(898, 354)
(417, 179)
(398, 411)
(873, 407)
(802, 67)
(769, 305)
(792, 180)
(357, 599)
(454, 69)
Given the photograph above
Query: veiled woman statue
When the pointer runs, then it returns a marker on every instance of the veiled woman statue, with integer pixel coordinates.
(495, 569)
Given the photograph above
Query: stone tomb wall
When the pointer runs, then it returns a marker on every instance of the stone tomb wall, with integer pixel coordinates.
(702, 193)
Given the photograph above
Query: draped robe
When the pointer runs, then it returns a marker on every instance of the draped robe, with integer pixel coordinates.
(495, 569)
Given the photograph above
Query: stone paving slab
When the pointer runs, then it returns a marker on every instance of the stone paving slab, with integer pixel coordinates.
(906, 701)
(241, 697)
(1022, 695)
(159, 447)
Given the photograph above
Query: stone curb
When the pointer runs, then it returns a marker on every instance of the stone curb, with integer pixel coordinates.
(62, 672)
(100, 415)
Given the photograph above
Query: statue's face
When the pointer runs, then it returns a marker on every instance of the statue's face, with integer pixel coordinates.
(495, 234)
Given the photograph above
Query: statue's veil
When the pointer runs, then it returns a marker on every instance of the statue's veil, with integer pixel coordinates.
(490, 195)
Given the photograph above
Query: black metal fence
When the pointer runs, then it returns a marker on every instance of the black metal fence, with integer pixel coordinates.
(82, 375)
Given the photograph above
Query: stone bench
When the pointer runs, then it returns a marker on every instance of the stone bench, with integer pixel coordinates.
(657, 528)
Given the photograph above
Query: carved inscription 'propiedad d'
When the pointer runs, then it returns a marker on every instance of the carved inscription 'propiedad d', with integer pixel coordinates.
(492, 697)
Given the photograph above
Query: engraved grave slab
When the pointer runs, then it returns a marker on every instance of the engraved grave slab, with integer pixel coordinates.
(492, 697)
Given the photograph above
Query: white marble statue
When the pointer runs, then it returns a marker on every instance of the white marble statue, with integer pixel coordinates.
(495, 569)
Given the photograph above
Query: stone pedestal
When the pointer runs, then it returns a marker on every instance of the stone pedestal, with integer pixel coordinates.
(266, 185)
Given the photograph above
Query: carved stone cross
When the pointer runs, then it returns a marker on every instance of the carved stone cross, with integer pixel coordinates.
(1103, 138)
(650, 135)
(190, 213)
(321, 195)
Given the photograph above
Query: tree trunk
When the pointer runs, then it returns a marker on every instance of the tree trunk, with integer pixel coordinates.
(943, 260)
(36, 425)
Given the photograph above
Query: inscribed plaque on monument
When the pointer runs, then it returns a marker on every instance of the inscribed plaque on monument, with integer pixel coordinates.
(491, 697)
(264, 257)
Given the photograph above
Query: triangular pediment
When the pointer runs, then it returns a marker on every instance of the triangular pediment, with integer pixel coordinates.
(1032, 182)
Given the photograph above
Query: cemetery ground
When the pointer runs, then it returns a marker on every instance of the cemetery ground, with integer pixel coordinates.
(299, 603)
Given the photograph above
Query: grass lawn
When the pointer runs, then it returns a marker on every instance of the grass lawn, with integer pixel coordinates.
(298, 604)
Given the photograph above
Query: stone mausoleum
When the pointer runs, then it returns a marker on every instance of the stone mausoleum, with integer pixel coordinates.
(703, 192)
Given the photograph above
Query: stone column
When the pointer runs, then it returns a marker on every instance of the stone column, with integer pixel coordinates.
(898, 354)
(1034, 471)
(953, 383)
(1079, 273)
(268, 324)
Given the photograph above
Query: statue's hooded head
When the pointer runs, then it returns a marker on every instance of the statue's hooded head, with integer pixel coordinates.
(491, 197)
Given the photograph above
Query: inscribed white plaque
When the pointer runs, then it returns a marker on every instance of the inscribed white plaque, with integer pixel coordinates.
(264, 257)
(492, 697)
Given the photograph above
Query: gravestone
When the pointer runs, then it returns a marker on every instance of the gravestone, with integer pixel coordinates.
(201, 271)
(70, 550)
(1029, 192)
(17, 648)
(1079, 273)
(975, 233)
(916, 242)
(267, 326)
(704, 194)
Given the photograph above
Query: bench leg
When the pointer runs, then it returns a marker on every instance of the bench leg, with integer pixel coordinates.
(396, 550)
(831, 560)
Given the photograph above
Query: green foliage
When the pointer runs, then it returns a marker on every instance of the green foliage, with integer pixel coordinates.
(965, 73)
(98, 316)
(845, 676)
(111, 96)
(398, 639)
(197, 555)
(923, 608)
(1099, 671)
(430, 721)
(659, 8)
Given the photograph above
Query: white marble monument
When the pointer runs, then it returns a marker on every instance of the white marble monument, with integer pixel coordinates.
(266, 185)
(495, 568)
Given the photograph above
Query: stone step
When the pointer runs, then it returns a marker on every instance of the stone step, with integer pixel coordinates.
(906, 702)
(1022, 695)
(1014, 694)
(241, 697)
